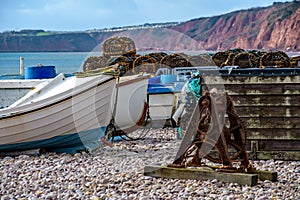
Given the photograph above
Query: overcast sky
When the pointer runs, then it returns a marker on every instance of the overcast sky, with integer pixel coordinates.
(80, 15)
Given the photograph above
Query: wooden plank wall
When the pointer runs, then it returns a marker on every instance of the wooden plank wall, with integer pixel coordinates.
(270, 106)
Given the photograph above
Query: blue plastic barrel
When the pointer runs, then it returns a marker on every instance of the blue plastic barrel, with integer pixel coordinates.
(40, 72)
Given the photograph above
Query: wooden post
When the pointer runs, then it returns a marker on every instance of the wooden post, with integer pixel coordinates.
(21, 65)
(200, 174)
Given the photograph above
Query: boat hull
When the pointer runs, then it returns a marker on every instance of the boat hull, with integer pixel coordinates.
(162, 101)
(70, 143)
(162, 105)
(131, 102)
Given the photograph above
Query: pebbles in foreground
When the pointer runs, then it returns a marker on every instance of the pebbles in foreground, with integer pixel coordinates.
(117, 173)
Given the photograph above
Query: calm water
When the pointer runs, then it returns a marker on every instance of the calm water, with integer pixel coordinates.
(65, 62)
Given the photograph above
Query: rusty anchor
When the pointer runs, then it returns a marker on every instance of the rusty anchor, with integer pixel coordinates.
(208, 130)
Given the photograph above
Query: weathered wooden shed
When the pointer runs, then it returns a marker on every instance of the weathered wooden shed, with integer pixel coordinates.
(268, 100)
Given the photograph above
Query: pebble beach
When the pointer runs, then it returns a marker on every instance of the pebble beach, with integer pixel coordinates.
(117, 173)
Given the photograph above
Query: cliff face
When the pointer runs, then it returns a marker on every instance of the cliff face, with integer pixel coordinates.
(273, 27)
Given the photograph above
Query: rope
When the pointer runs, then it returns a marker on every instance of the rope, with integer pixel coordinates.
(145, 130)
(111, 124)
(103, 71)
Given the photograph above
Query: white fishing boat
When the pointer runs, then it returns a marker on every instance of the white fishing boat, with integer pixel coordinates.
(162, 101)
(131, 102)
(61, 114)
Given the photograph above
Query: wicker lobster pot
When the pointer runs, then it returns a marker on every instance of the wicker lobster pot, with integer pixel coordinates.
(245, 60)
(95, 62)
(278, 59)
(117, 46)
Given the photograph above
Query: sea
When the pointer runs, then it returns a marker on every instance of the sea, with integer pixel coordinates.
(64, 62)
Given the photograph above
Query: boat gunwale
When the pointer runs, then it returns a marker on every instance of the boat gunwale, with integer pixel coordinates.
(56, 102)
(134, 79)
